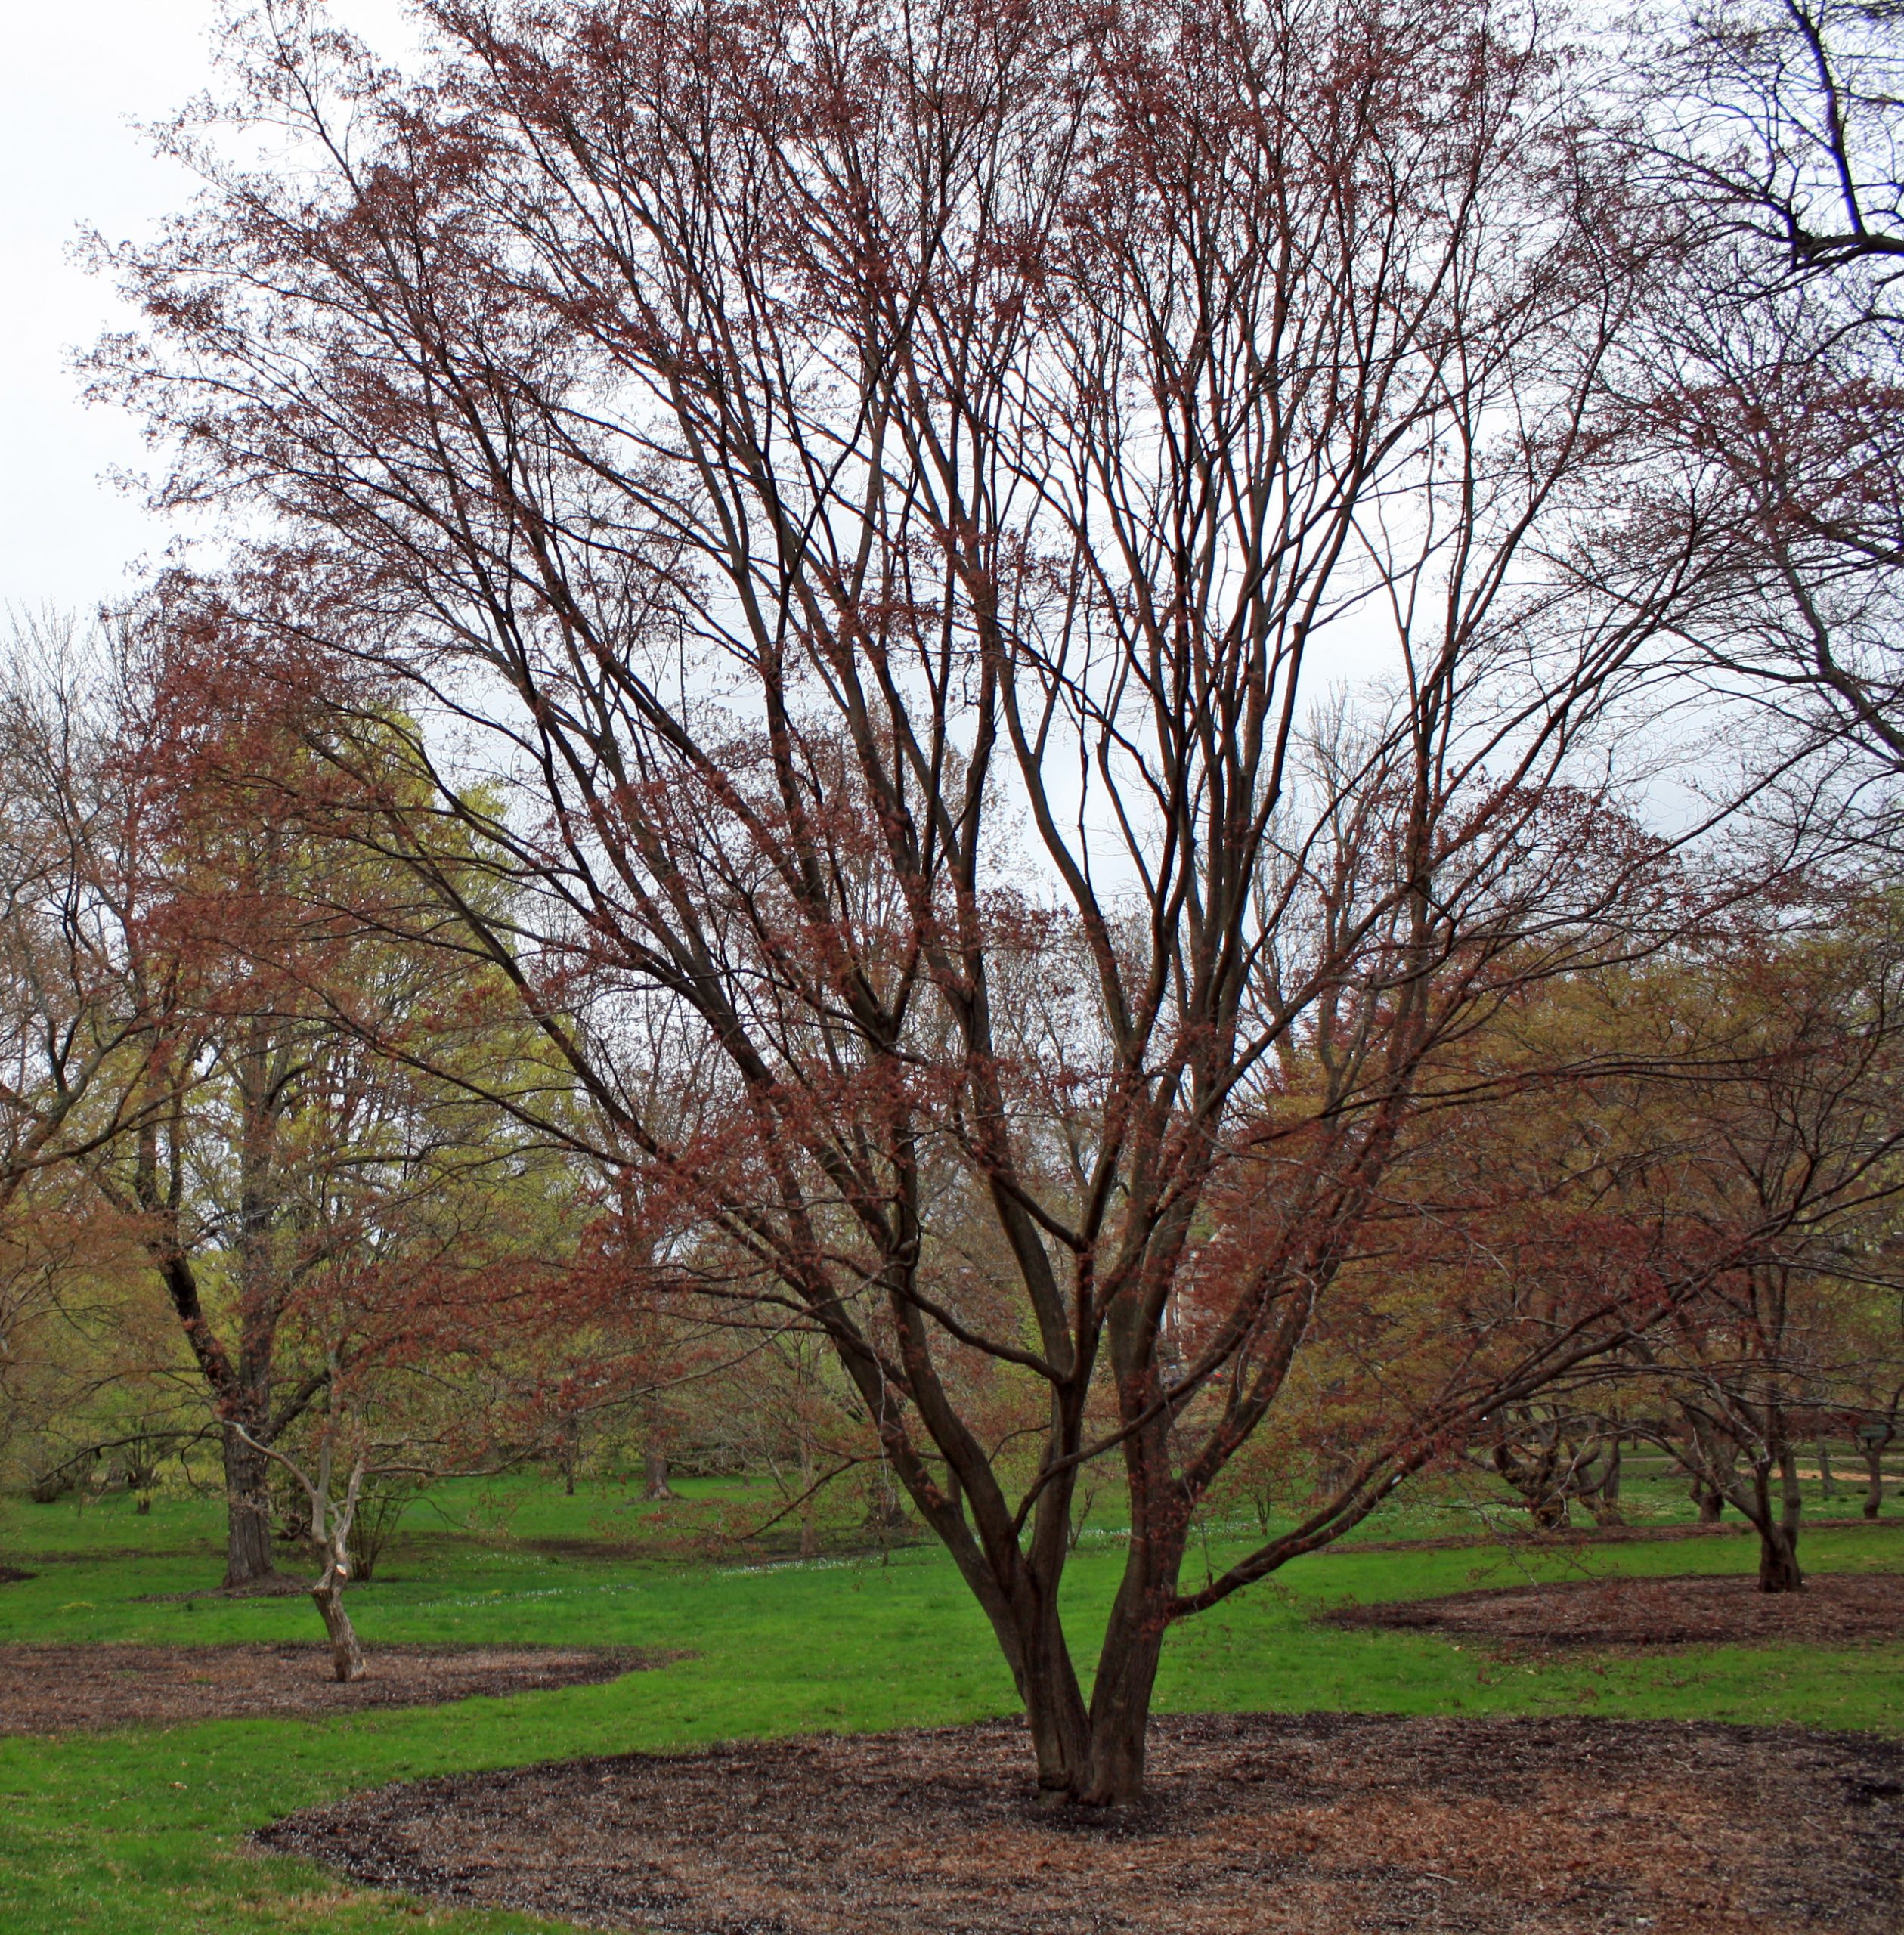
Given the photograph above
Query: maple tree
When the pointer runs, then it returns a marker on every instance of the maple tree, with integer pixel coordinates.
(848, 518)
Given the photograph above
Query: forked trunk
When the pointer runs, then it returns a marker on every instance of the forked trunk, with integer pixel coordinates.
(1549, 1512)
(1095, 1757)
(654, 1485)
(1778, 1531)
(1120, 1717)
(1779, 1570)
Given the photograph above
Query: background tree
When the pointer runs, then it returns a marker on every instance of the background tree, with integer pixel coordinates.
(1784, 1166)
(1767, 401)
(187, 1048)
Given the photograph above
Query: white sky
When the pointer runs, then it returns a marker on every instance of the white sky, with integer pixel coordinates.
(74, 75)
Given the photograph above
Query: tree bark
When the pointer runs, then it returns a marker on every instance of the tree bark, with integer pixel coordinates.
(346, 1655)
(248, 1559)
(1602, 1497)
(1827, 1484)
(1120, 1705)
(1874, 1471)
(1778, 1568)
(654, 1455)
(885, 1504)
(1054, 1710)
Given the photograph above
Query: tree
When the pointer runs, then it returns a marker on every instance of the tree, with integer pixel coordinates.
(1781, 119)
(1766, 402)
(186, 1039)
(880, 492)
(1787, 1161)
(75, 1027)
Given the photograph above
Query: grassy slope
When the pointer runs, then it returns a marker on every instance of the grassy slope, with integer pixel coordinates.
(142, 1831)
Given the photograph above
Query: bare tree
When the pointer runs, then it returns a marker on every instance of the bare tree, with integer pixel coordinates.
(1766, 401)
(1782, 119)
(858, 511)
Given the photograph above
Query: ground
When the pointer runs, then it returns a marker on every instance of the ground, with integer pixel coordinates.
(1257, 1825)
(60, 1689)
(147, 1829)
(1621, 1612)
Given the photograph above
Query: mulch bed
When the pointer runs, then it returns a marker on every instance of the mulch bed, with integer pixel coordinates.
(8, 1574)
(1314, 1825)
(1581, 1536)
(61, 1689)
(1835, 1609)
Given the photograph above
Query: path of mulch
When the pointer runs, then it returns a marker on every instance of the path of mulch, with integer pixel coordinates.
(60, 1689)
(1835, 1609)
(9, 1573)
(1309, 1824)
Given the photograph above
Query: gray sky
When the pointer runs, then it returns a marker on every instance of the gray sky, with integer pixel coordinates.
(74, 77)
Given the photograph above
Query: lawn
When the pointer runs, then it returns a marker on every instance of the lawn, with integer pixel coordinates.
(143, 1830)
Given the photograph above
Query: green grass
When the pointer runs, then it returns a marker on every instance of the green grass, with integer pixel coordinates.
(143, 1830)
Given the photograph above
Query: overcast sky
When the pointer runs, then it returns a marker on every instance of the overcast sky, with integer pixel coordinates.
(73, 78)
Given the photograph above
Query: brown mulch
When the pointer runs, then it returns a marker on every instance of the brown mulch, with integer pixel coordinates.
(1318, 1824)
(1835, 1609)
(8, 1574)
(1571, 1536)
(62, 1689)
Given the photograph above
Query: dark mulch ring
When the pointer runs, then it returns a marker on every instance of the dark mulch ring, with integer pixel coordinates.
(1835, 1609)
(8, 1574)
(1315, 1824)
(60, 1689)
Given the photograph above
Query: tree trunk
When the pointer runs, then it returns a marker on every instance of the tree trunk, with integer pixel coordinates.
(1602, 1498)
(1778, 1560)
(1133, 1643)
(248, 1513)
(1054, 1711)
(1827, 1484)
(1120, 1710)
(1874, 1470)
(810, 1522)
(1707, 1498)
(1549, 1512)
(885, 1508)
(346, 1655)
(654, 1455)
(1778, 1569)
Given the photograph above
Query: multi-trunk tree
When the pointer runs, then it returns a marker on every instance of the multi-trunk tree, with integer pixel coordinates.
(855, 514)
